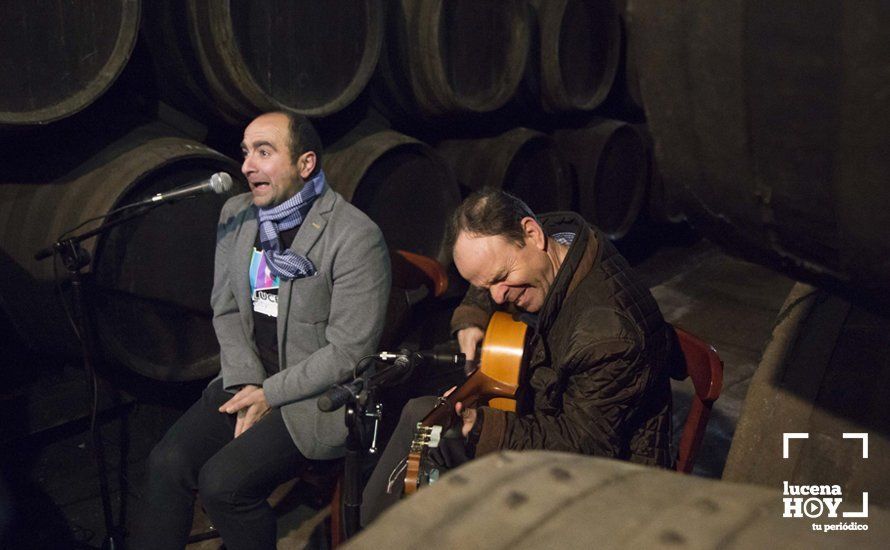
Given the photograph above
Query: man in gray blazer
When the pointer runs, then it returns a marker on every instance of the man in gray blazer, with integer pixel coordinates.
(300, 288)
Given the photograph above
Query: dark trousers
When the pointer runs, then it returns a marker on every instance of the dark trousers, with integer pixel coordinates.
(234, 476)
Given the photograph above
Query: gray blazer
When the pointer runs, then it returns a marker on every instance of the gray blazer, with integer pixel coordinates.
(325, 322)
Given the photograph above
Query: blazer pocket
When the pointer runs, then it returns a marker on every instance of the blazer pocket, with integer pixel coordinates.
(310, 299)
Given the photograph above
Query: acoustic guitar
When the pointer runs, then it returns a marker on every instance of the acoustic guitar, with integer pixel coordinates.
(494, 383)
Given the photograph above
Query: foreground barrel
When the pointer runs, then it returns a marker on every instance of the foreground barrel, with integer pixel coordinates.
(537, 499)
(233, 60)
(579, 46)
(611, 169)
(401, 184)
(524, 162)
(450, 57)
(765, 164)
(59, 57)
(152, 275)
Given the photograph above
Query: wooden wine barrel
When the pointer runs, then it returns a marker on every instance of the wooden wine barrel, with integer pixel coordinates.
(579, 47)
(634, 96)
(59, 57)
(524, 162)
(452, 57)
(401, 184)
(661, 204)
(825, 372)
(539, 499)
(233, 60)
(611, 169)
(771, 123)
(152, 275)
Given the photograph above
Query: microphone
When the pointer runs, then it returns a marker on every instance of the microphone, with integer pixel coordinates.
(397, 373)
(218, 183)
(339, 395)
(403, 364)
(440, 359)
(426, 357)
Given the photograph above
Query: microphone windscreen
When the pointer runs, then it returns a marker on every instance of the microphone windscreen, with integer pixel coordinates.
(221, 182)
(333, 399)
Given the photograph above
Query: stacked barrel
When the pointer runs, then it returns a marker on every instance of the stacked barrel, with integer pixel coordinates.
(771, 124)
(419, 102)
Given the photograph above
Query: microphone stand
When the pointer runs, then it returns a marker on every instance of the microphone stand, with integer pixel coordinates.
(360, 406)
(75, 258)
(356, 450)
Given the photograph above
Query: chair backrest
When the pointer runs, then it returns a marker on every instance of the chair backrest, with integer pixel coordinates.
(414, 277)
(705, 368)
(410, 270)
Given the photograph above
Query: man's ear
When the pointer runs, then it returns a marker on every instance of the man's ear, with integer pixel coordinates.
(306, 164)
(534, 233)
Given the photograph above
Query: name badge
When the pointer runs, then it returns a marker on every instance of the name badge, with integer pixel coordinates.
(263, 286)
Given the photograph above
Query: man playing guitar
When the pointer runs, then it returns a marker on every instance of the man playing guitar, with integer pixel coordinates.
(596, 380)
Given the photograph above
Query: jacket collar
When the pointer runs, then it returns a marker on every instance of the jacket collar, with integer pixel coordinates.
(583, 254)
(306, 237)
(315, 222)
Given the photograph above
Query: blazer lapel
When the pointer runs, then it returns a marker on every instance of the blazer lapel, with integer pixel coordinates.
(306, 237)
(315, 222)
(240, 268)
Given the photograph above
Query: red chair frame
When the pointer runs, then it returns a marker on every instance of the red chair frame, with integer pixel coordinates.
(705, 368)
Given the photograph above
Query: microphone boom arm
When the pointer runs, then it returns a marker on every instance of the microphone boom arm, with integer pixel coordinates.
(63, 244)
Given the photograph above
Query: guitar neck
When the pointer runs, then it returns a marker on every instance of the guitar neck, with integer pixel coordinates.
(477, 386)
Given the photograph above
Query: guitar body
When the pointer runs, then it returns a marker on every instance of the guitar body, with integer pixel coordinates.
(501, 357)
(495, 383)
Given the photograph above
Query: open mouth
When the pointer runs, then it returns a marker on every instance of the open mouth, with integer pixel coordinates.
(259, 184)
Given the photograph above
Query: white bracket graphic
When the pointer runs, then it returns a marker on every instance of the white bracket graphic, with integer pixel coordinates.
(864, 512)
(791, 435)
(864, 438)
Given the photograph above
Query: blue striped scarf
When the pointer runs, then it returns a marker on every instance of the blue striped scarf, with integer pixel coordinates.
(283, 262)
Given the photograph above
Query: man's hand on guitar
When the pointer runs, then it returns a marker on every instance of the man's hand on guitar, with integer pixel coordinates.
(468, 415)
(469, 339)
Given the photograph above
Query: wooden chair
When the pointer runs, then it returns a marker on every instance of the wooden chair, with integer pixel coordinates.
(414, 278)
(324, 478)
(705, 368)
(410, 271)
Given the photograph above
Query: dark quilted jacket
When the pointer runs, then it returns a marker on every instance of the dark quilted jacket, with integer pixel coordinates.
(597, 376)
